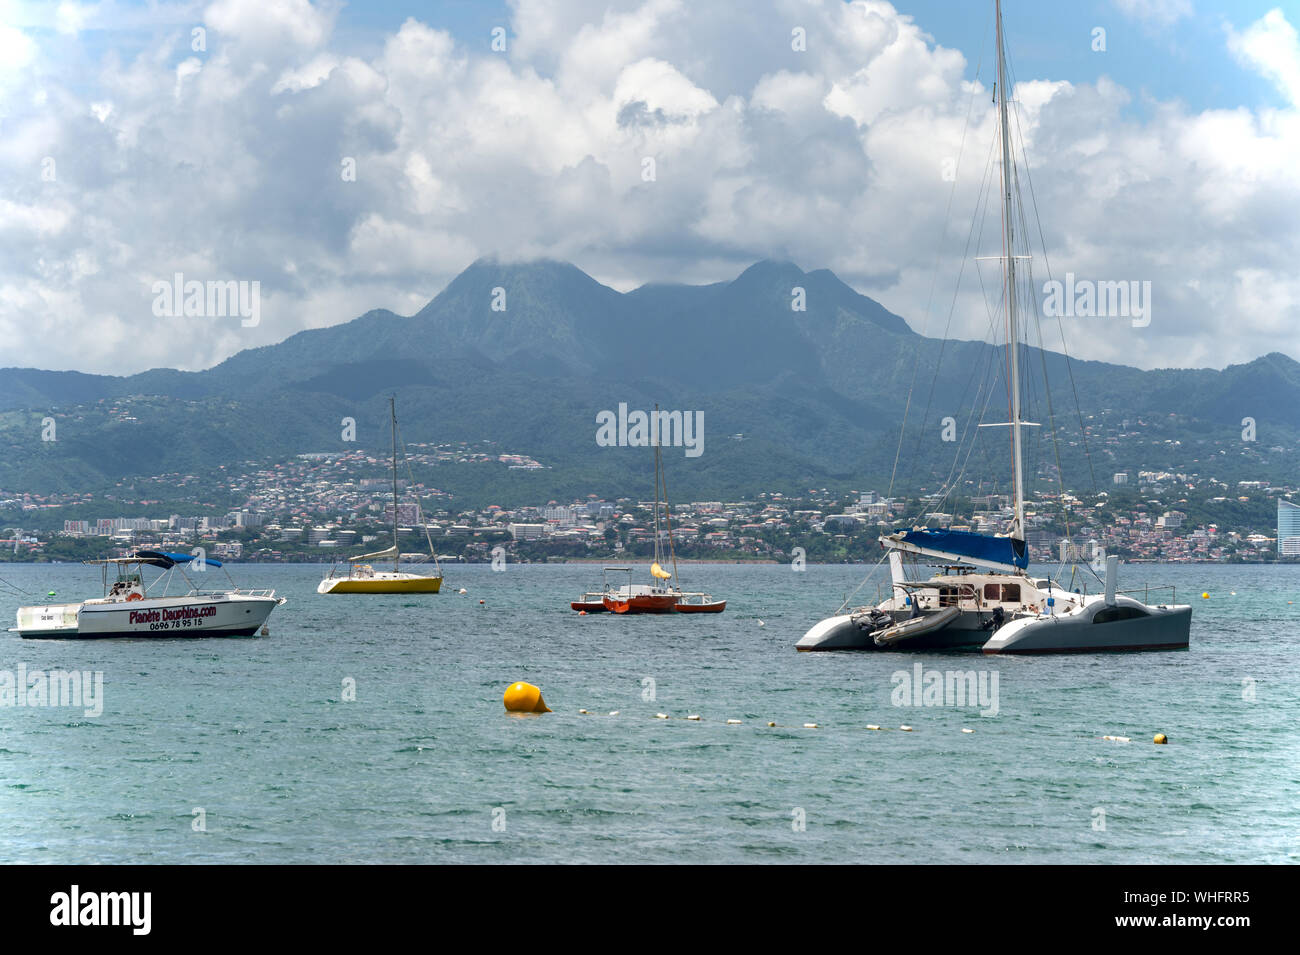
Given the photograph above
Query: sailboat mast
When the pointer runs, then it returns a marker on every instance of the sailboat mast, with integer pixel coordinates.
(392, 414)
(1013, 335)
(655, 438)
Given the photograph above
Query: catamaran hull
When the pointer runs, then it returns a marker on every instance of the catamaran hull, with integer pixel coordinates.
(963, 631)
(216, 616)
(1162, 628)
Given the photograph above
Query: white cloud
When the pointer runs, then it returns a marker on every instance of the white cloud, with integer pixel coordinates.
(1271, 47)
(1159, 12)
(226, 164)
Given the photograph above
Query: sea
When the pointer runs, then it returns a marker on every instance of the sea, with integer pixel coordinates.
(371, 729)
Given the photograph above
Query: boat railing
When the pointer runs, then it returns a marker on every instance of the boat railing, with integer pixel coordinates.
(1147, 591)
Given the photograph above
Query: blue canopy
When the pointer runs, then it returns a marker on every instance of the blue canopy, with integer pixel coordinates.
(190, 558)
(1001, 552)
(162, 558)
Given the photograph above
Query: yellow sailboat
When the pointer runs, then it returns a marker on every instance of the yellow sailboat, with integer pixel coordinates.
(363, 578)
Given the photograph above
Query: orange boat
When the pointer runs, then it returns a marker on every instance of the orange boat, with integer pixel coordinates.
(590, 602)
(657, 596)
(699, 603)
(648, 601)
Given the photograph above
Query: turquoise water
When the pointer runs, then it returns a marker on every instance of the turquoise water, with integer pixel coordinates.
(425, 761)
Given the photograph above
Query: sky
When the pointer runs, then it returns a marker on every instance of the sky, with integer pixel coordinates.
(347, 157)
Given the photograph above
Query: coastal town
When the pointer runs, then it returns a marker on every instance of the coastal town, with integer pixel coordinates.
(321, 507)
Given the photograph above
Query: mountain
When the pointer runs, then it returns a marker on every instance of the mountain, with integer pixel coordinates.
(819, 395)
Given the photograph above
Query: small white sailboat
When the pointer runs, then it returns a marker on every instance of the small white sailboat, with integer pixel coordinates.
(362, 576)
(134, 607)
(1000, 608)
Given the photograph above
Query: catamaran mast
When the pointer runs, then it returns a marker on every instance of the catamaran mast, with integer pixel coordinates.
(1013, 336)
(392, 413)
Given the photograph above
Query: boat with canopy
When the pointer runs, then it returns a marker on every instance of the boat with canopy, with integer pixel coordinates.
(133, 606)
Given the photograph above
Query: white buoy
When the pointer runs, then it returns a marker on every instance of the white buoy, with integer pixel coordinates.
(613, 712)
(733, 722)
(661, 716)
(695, 717)
(965, 730)
(906, 729)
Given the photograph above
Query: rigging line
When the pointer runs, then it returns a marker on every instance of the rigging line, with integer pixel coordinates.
(16, 589)
(865, 580)
(988, 357)
(1065, 350)
(1047, 388)
(419, 507)
(1031, 301)
(973, 442)
(668, 517)
(984, 379)
(976, 223)
(934, 281)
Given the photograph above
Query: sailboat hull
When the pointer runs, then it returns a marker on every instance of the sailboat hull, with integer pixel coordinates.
(391, 583)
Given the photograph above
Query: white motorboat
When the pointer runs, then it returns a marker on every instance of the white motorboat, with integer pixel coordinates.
(985, 596)
(131, 607)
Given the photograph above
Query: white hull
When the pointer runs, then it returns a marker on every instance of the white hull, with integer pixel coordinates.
(192, 615)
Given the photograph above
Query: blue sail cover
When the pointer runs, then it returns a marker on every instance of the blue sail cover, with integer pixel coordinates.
(967, 545)
(183, 558)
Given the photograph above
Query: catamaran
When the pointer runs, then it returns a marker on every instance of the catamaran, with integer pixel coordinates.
(658, 596)
(362, 576)
(132, 607)
(983, 595)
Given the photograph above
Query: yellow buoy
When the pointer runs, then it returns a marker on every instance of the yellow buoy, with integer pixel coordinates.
(1205, 596)
(771, 723)
(1160, 739)
(525, 698)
